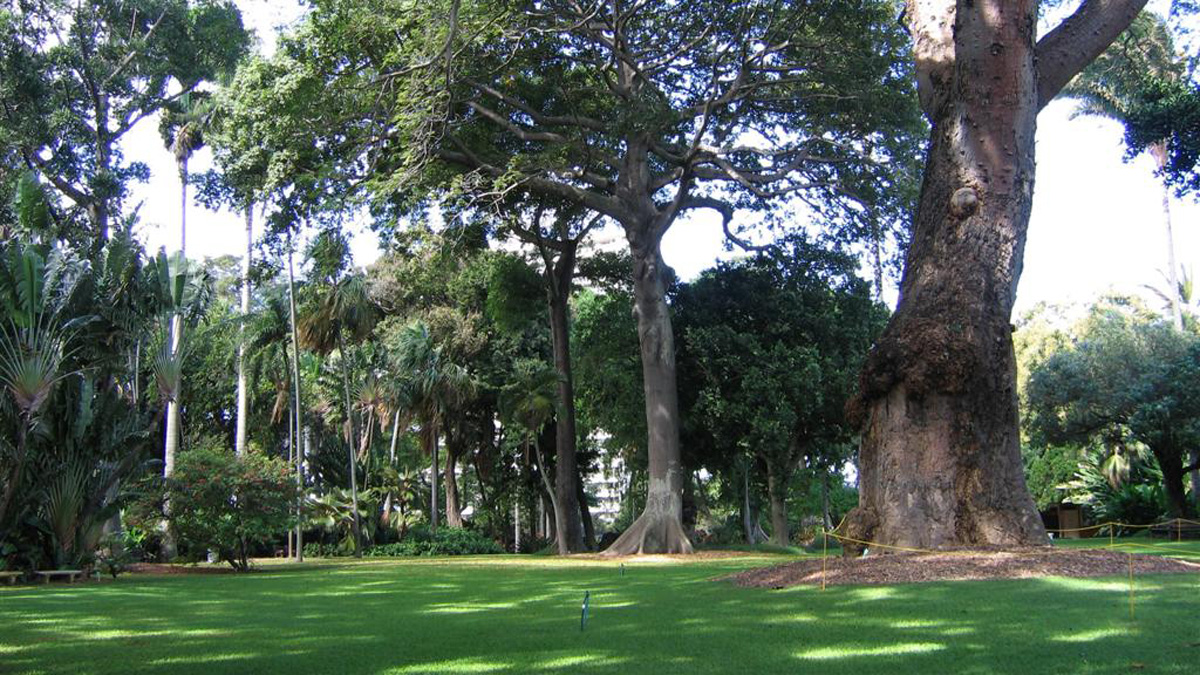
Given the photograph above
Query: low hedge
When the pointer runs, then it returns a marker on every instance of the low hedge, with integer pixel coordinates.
(446, 541)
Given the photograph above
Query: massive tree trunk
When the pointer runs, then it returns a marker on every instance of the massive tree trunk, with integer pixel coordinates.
(566, 503)
(1171, 462)
(940, 462)
(659, 529)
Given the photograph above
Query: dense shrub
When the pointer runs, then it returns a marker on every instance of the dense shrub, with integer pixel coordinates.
(446, 541)
(319, 549)
(228, 504)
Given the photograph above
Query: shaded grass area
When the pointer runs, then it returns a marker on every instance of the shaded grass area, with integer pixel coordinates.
(516, 614)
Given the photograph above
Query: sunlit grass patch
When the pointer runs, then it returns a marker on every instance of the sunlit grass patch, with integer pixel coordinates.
(515, 614)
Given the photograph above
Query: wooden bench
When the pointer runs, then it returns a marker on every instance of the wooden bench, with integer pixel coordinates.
(46, 575)
(10, 577)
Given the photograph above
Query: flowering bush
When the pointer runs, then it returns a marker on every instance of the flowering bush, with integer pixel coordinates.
(227, 504)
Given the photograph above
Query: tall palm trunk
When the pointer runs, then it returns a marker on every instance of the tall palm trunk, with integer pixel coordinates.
(171, 440)
(242, 402)
(350, 447)
(299, 415)
(431, 442)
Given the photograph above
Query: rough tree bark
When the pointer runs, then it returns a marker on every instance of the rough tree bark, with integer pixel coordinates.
(659, 529)
(940, 462)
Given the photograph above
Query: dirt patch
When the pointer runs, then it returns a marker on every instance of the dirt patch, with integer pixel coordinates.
(163, 568)
(959, 565)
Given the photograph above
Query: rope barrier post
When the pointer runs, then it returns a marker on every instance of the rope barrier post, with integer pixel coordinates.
(1111, 530)
(824, 555)
(1131, 615)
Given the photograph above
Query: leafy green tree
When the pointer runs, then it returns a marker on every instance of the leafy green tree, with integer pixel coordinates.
(633, 112)
(229, 504)
(78, 76)
(772, 347)
(1124, 375)
(434, 386)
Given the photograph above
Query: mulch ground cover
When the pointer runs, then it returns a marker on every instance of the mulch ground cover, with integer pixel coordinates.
(960, 565)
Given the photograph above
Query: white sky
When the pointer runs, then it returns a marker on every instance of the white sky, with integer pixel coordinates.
(1096, 225)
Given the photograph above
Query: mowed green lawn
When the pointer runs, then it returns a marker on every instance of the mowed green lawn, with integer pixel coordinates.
(510, 614)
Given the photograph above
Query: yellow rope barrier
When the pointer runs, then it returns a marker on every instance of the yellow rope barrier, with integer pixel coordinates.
(824, 557)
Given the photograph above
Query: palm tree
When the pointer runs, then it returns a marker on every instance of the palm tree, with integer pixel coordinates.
(434, 386)
(528, 403)
(182, 128)
(33, 346)
(342, 308)
(1111, 88)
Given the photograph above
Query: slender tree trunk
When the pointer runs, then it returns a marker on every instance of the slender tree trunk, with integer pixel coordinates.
(171, 442)
(659, 529)
(453, 511)
(431, 439)
(940, 461)
(387, 501)
(559, 531)
(302, 453)
(777, 489)
(299, 416)
(293, 442)
(349, 435)
(585, 514)
(565, 465)
(243, 405)
(747, 512)
(516, 526)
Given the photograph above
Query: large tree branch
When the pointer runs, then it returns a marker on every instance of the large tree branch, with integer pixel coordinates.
(538, 184)
(538, 118)
(1078, 40)
(73, 193)
(726, 211)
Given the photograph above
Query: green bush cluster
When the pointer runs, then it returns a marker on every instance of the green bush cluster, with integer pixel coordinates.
(446, 541)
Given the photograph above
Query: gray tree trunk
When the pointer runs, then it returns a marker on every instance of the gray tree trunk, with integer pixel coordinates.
(243, 404)
(659, 529)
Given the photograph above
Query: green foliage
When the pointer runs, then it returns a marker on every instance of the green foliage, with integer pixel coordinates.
(446, 541)
(113, 558)
(1127, 377)
(77, 77)
(1047, 470)
(1168, 112)
(229, 504)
